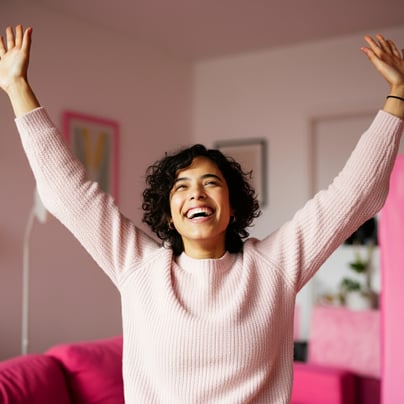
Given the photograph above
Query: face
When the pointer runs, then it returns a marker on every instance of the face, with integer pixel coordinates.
(200, 208)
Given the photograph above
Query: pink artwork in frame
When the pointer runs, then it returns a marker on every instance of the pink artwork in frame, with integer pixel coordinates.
(94, 141)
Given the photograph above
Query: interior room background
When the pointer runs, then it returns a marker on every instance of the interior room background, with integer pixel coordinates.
(161, 101)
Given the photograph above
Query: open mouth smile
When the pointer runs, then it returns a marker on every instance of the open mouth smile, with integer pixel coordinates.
(199, 212)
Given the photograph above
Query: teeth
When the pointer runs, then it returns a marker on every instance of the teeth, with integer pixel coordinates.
(192, 213)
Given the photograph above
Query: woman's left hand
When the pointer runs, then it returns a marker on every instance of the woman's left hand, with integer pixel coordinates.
(388, 61)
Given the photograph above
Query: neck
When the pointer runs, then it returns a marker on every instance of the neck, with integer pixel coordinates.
(199, 251)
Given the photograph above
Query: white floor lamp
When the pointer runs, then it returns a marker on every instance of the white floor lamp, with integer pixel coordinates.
(38, 212)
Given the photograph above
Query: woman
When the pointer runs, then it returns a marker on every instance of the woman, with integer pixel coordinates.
(210, 318)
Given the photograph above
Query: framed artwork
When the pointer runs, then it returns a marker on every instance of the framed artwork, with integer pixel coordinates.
(332, 140)
(252, 155)
(94, 141)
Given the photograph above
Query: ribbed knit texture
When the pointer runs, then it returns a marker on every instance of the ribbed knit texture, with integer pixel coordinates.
(215, 330)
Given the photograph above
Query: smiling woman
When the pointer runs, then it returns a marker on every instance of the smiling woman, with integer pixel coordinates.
(200, 209)
(185, 180)
(208, 316)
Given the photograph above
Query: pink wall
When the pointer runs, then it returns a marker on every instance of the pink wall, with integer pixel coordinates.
(392, 255)
(88, 69)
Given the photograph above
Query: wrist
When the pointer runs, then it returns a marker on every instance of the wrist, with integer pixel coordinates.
(16, 86)
(397, 91)
(22, 97)
(395, 97)
(394, 103)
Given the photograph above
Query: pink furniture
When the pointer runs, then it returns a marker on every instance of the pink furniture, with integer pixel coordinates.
(314, 384)
(90, 373)
(348, 341)
(35, 379)
(82, 373)
(354, 336)
(391, 236)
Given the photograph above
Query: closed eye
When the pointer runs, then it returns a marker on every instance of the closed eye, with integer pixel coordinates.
(180, 187)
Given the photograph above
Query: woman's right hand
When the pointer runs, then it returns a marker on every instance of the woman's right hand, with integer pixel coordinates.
(14, 60)
(14, 56)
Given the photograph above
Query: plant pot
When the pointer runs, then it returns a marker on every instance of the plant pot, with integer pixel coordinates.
(358, 300)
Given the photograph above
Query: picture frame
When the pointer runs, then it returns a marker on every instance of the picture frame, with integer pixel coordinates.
(252, 156)
(333, 137)
(95, 142)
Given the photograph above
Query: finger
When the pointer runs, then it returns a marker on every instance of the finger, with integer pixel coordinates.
(10, 38)
(383, 44)
(372, 56)
(368, 52)
(18, 36)
(374, 59)
(393, 48)
(374, 46)
(26, 40)
(2, 47)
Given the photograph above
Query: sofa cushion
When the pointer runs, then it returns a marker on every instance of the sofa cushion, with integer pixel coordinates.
(32, 379)
(93, 370)
(313, 384)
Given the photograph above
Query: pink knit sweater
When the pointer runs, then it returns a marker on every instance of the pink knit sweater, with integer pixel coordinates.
(214, 330)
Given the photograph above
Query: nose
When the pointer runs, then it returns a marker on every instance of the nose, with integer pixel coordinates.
(197, 193)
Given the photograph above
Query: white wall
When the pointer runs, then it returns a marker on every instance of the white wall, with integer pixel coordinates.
(88, 69)
(277, 94)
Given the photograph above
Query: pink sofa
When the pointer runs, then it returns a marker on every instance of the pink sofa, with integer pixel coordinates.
(81, 373)
(90, 373)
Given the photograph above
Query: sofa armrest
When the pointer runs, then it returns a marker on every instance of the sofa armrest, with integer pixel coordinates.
(314, 384)
(89, 365)
(32, 379)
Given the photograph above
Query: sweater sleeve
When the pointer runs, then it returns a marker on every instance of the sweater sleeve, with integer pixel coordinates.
(89, 213)
(301, 245)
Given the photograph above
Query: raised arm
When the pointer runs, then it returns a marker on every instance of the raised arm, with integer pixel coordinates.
(88, 212)
(14, 60)
(389, 62)
(357, 192)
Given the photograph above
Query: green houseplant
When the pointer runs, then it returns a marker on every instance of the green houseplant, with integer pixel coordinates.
(354, 293)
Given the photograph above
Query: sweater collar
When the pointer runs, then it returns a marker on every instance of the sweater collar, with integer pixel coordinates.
(190, 264)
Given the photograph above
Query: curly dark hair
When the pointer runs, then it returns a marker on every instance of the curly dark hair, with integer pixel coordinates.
(160, 178)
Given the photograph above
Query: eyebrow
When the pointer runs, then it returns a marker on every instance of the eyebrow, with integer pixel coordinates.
(202, 177)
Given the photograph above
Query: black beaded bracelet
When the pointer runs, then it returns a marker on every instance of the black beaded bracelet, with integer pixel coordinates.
(396, 97)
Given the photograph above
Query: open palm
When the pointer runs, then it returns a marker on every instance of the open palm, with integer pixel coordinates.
(387, 59)
(14, 56)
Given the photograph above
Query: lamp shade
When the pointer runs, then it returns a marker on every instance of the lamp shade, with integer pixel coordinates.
(40, 211)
